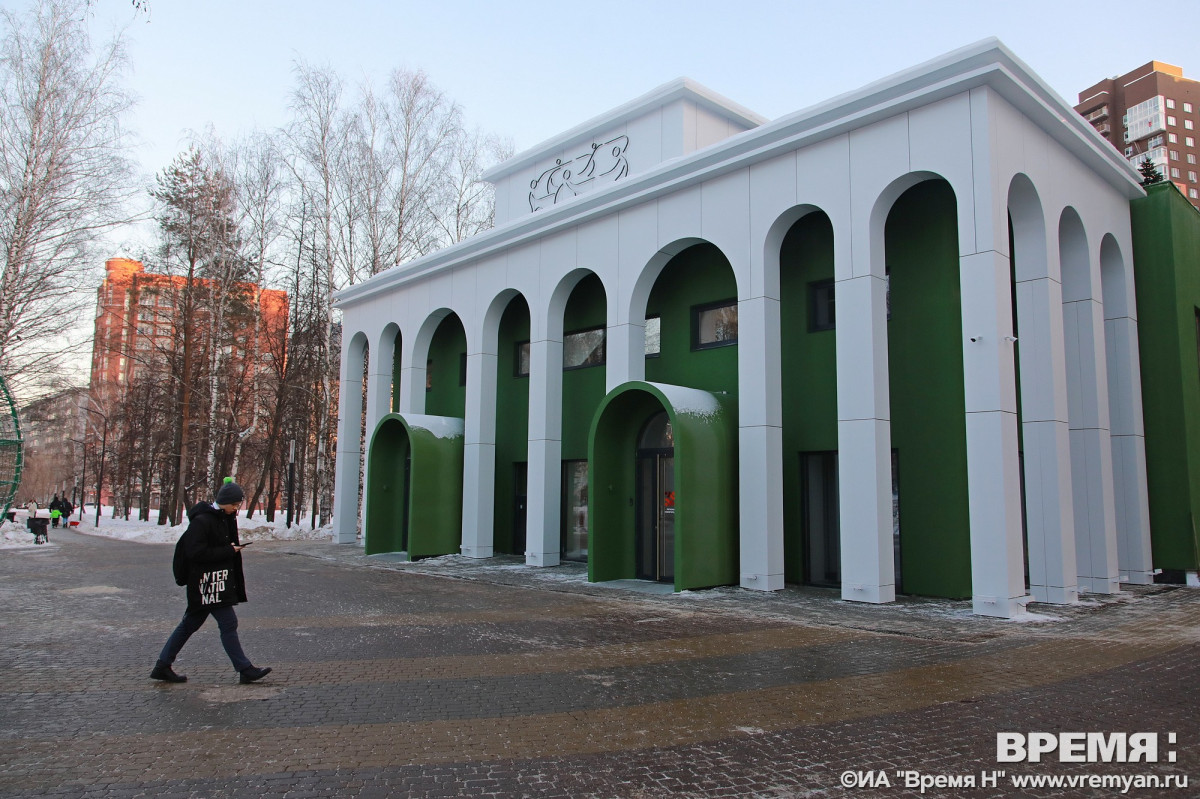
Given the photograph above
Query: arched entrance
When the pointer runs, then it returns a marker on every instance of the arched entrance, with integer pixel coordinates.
(656, 500)
(414, 492)
(662, 488)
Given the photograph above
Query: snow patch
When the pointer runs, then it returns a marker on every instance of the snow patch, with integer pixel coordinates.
(443, 427)
(691, 401)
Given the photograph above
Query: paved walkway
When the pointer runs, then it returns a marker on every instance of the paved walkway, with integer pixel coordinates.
(450, 677)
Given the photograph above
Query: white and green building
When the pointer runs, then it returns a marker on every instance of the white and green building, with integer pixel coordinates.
(887, 343)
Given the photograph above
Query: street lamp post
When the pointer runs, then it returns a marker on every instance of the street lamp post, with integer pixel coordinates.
(82, 479)
(100, 469)
(291, 486)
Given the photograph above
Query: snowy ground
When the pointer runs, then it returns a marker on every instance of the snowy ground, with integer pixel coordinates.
(16, 535)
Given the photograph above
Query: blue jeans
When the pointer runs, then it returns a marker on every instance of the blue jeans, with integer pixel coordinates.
(228, 623)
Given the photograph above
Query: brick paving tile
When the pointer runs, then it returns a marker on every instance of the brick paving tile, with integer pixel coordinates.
(452, 677)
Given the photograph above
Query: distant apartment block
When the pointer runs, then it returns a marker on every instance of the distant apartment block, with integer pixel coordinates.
(1151, 113)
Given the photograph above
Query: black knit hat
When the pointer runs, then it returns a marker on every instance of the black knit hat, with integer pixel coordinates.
(230, 493)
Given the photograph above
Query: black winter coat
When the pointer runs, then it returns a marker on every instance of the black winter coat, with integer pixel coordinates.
(208, 542)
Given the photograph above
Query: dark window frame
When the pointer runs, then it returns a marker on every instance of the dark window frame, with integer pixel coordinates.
(659, 353)
(517, 346)
(603, 347)
(710, 306)
(815, 300)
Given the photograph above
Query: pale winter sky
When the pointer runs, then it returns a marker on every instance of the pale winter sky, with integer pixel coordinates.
(529, 70)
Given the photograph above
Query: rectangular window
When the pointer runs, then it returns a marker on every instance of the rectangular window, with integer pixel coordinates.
(1172, 138)
(1192, 177)
(583, 348)
(1174, 171)
(1170, 120)
(575, 510)
(1193, 194)
(714, 325)
(521, 359)
(1187, 107)
(820, 517)
(1174, 155)
(1189, 124)
(821, 309)
(1189, 141)
(1170, 103)
(1191, 159)
(653, 336)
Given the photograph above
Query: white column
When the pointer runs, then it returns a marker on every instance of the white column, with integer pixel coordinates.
(993, 463)
(864, 440)
(349, 455)
(625, 354)
(543, 538)
(760, 445)
(1050, 517)
(1128, 437)
(1091, 448)
(379, 389)
(479, 456)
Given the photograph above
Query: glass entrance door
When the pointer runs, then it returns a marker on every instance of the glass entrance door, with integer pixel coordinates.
(656, 502)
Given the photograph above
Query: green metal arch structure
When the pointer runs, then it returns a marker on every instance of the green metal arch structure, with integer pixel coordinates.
(706, 509)
(12, 448)
(414, 486)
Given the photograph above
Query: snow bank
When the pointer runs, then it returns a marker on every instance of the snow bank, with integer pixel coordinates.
(15, 535)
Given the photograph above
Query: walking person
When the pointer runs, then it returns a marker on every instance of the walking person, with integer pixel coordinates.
(212, 568)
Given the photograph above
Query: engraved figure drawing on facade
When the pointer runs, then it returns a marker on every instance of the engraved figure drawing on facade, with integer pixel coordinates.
(566, 179)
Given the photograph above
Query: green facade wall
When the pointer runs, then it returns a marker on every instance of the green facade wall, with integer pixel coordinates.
(512, 422)
(447, 395)
(706, 510)
(1166, 253)
(582, 389)
(697, 276)
(809, 365)
(928, 404)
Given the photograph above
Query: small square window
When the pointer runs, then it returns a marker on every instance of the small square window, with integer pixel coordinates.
(1191, 158)
(1172, 138)
(1174, 171)
(1187, 107)
(1174, 155)
(583, 348)
(1189, 141)
(1170, 120)
(521, 359)
(714, 325)
(821, 309)
(1189, 124)
(1170, 103)
(1193, 194)
(653, 336)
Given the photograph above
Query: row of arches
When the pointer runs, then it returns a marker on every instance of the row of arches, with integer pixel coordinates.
(530, 420)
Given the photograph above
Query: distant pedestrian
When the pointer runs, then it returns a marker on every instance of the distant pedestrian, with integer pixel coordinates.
(55, 510)
(215, 583)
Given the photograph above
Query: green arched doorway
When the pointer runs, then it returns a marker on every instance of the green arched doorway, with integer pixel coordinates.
(414, 486)
(662, 487)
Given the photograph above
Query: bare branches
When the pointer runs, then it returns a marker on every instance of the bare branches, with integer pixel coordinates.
(64, 179)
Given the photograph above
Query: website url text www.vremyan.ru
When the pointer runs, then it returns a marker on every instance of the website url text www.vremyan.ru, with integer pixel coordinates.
(1122, 782)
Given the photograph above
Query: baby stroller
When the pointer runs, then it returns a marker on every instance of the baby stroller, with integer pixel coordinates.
(39, 528)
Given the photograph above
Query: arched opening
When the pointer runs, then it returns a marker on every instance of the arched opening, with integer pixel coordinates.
(415, 491)
(512, 428)
(808, 357)
(662, 493)
(584, 349)
(931, 523)
(397, 352)
(446, 369)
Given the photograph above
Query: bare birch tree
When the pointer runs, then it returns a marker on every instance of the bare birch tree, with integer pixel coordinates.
(64, 179)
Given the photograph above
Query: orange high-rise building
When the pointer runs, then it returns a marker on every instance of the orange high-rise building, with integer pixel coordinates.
(135, 332)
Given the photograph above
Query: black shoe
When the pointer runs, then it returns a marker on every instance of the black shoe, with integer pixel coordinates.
(254, 674)
(166, 674)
